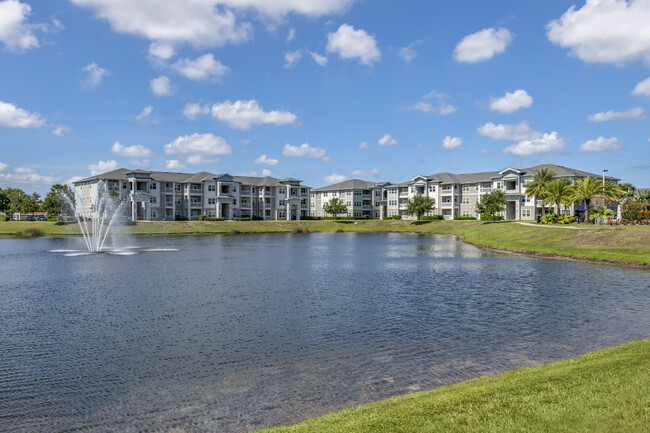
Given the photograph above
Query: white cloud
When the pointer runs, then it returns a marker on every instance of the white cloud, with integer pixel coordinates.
(200, 22)
(600, 144)
(451, 143)
(326, 159)
(334, 178)
(198, 144)
(95, 74)
(366, 173)
(363, 145)
(145, 115)
(350, 43)
(304, 150)
(201, 159)
(137, 150)
(642, 88)
(161, 51)
(482, 45)
(635, 113)
(263, 159)
(61, 130)
(440, 107)
(387, 140)
(173, 164)
(424, 107)
(511, 102)
(292, 35)
(15, 32)
(408, 53)
(15, 117)
(27, 176)
(201, 68)
(605, 31)
(161, 86)
(3, 166)
(192, 110)
(544, 144)
(73, 179)
(321, 60)
(141, 163)
(103, 166)
(244, 114)
(519, 132)
(266, 172)
(291, 58)
(279, 8)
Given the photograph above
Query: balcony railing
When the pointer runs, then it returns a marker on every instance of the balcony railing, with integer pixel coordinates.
(486, 190)
(512, 191)
(196, 191)
(169, 189)
(169, 204)
(403, 194)
(446, 204)
(195, 204)
(446, 191)
(245, 191)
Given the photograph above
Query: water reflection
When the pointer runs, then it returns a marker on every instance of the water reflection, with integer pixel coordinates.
(232, 333)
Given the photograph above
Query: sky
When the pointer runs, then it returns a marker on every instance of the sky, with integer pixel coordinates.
(322, 90)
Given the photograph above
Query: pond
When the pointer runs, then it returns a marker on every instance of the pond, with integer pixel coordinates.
(239, 332)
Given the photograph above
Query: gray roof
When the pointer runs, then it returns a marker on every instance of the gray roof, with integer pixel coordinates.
(350, 184)
(565, 171)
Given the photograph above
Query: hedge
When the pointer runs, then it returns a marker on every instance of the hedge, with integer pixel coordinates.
(431, 218)
(465, 218)
(363, 217)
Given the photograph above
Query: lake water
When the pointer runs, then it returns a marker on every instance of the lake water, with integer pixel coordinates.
(239, 332)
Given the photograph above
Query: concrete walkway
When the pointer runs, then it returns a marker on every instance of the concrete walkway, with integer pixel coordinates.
(552, 226)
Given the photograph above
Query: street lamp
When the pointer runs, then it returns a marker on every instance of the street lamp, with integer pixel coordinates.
(604, 171)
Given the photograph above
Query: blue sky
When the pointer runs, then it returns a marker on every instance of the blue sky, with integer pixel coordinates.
(322, 90)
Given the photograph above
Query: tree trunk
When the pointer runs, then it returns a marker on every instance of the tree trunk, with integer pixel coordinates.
(587, 212)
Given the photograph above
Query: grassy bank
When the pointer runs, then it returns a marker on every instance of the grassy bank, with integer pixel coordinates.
(604, 391)
(621, 244)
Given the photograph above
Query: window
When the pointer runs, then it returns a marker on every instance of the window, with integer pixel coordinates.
(178, 201)
(212, 200)
(211, 214)
(153, 185)
(465, 200)
(525, 213)
(212, 187)
(177, 187)
(154, 200)
(432, 188)
(465, 213)
(281, 214)
(124, 185)
(154, 214)
(281, 203)
(281, 190)
(465, 188)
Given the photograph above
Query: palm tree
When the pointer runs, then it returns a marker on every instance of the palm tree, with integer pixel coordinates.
(537, 187)
(557, 192)
(612, 192)
(587, 189)
(644, 199)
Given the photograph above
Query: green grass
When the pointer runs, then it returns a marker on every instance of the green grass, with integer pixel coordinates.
(603, 391)
(620, 244)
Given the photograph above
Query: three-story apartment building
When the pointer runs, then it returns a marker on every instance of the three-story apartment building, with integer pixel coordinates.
(359, 196)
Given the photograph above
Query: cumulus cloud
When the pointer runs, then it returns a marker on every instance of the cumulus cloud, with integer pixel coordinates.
(451, 143)
(137, 150)
(244, 114)
(192, 110)
(387, 140)
(350, 44)
(291, 35)
(204, 67)
(511, 102)
(366, 173)
(15, 117)
(334, 178)
(505, 132)
(27, 176)
(291, 58)
(161, 51)
(103, 166)
(600, 144)
(198, 144)
(94, 74)
(278, 8)
(304, 150)
(263, 159)
(202, 159)
(605, 31)
(161, 86)
(363, 145)
(141, 163)
(173, 164)
(266, 172)
(61, 130)
(635, 113)
(408, 53)
(642, 88)
(15, 32)
(544, 144)
(438, 107)
(482, 45)
(145, 115)
(73, 179)
(321, 60)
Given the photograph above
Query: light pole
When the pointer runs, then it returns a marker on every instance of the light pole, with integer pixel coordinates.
(604, 171)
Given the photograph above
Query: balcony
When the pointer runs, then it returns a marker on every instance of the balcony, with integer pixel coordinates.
(195, 204)
(446, 205)
(367, 196)
(512, 191)
(403, 195)
(403, 206)
(196, 191)
(169, 190)
(169, 204)
(245, 191)
(446, 191)
(245, 205)
(486, 190)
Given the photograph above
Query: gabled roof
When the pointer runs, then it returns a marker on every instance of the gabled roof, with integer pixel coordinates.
(350, 184)
(565, 171)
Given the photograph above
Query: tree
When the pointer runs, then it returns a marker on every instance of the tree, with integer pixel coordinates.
(628, 190)
(558, 191)
(419, 205)
(55, 201)
(537, 187)
(586, 190)
(335, 206)
(4, 200)
(644, 199)
(21, 202)
(492, 203)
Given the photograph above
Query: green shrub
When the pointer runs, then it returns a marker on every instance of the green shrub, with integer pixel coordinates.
(30, 233)
(346, 218)
(241, 219)
(489, 218)
(210, 219)
(201, 217)
(180, 218)
(549, 218)
(257, 218)
(309, 218)
(303, 230)
(567, 219)
(431, 218)
(465, 218)
(396, 217)
(6, 218)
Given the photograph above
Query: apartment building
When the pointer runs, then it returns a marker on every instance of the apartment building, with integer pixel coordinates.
(361, 198)
(156, 195)
(457, 194)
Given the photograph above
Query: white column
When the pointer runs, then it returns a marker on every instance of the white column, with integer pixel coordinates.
(288, 211)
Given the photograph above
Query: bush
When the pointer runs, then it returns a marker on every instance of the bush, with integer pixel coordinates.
(432, 218)
(241, 219)
(52, 219)
(464, 218)
(304, 230)
(30, 233)
(309, 218)
(549, 218)
(201, 217)
(6, 218)
(396, 217)
(345, 218)
(485, 217)
(210, 219)
(180, 218)
(567, 219)
(257, 218)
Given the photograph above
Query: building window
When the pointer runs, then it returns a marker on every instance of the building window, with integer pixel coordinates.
(153, 185)
(177, 187)
(525, 213)
(212, 200)
(211, 214)
(212, 187)
(465, 200)
(465, 213)
(465, 188)
(154, 200)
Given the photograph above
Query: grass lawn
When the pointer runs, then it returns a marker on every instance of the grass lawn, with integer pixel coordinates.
(603, 391)
(620, 244)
